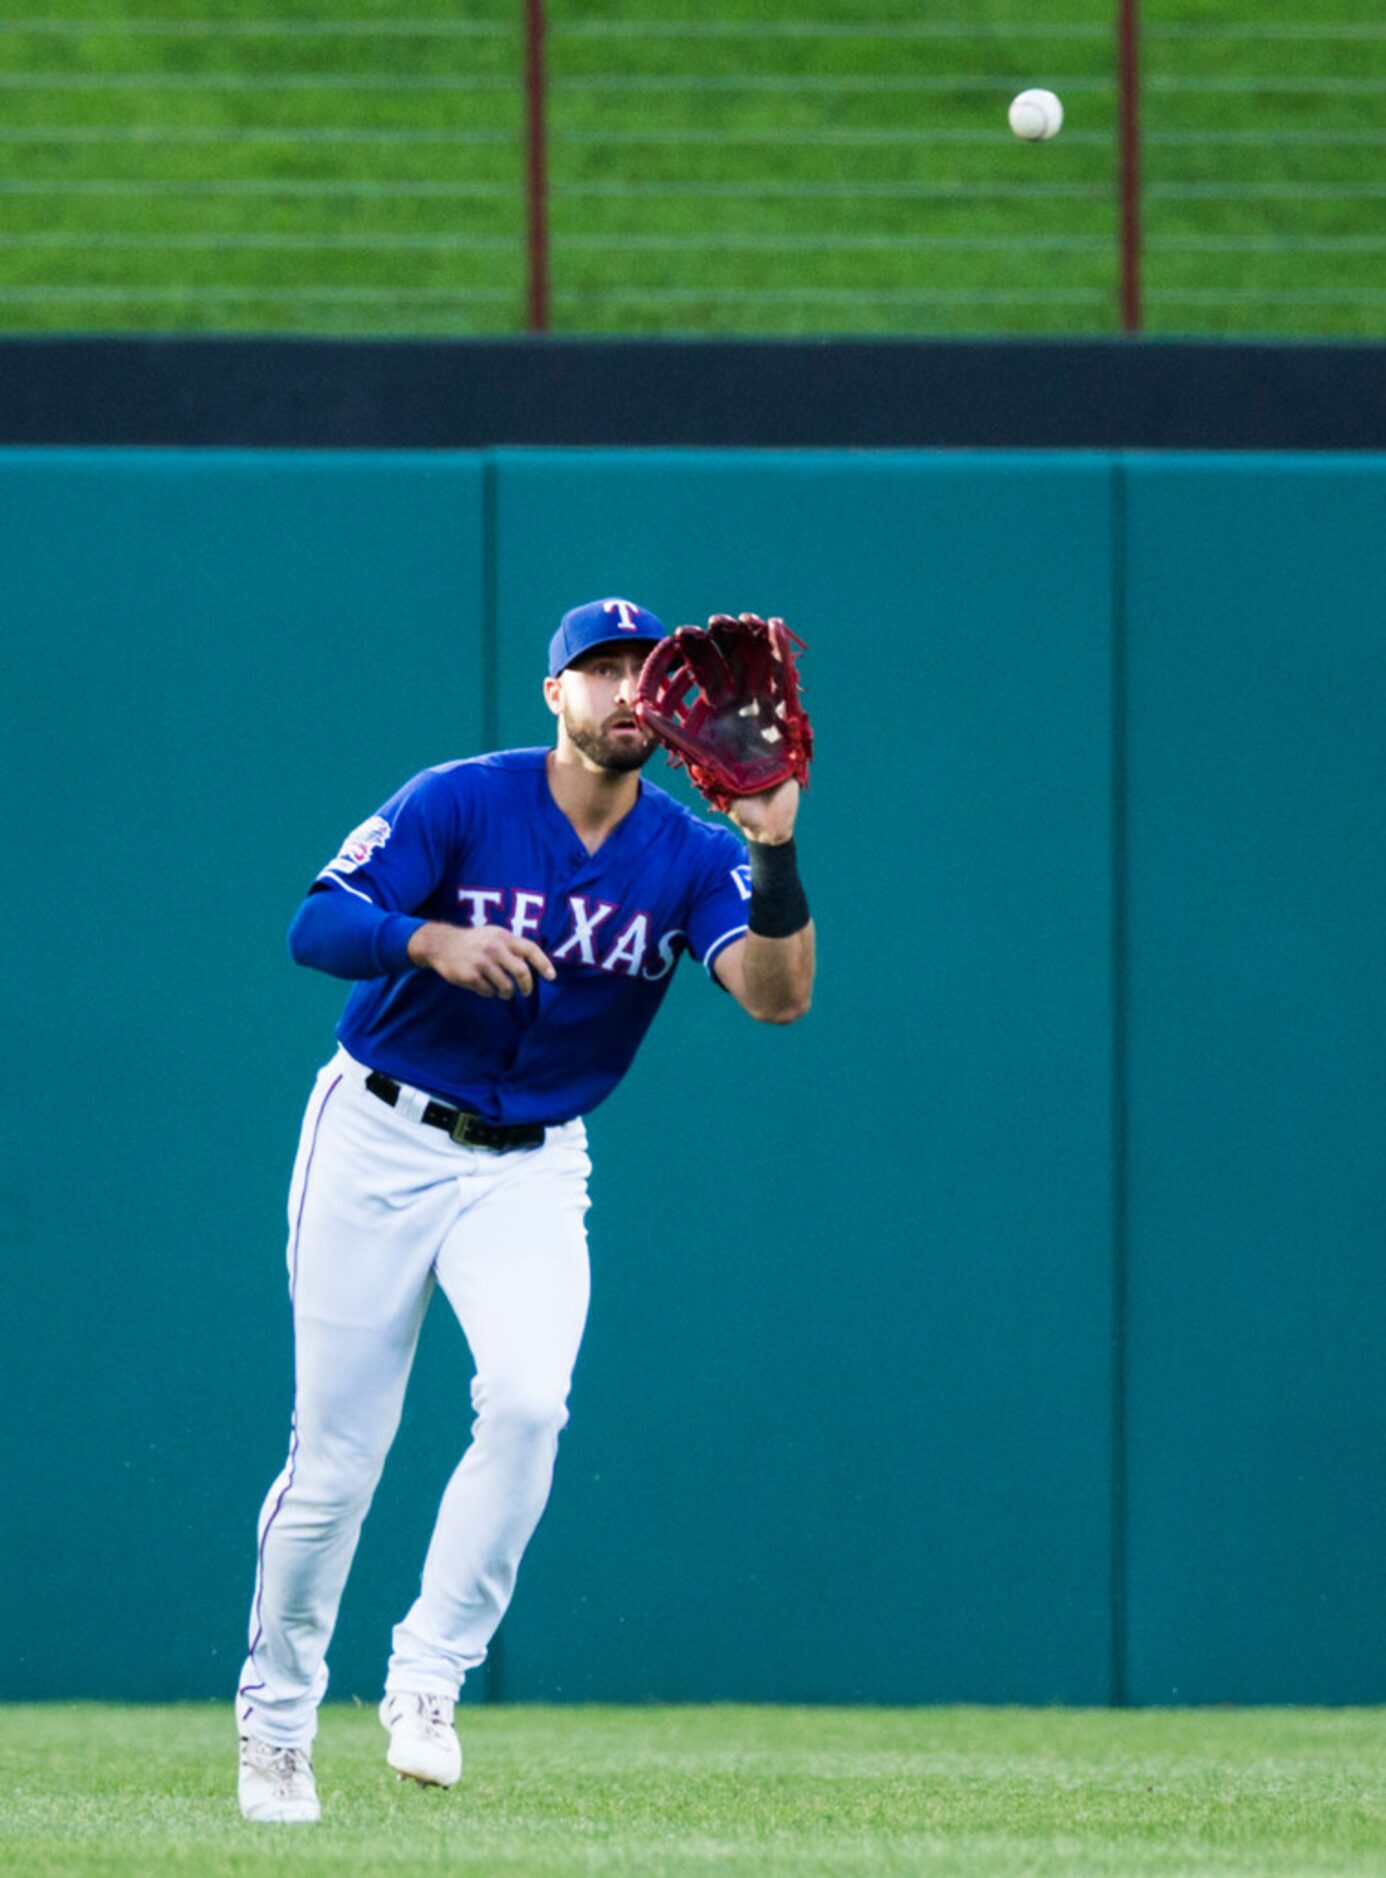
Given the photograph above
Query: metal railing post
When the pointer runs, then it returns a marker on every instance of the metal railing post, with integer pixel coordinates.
(536, 171)
(1129, 165)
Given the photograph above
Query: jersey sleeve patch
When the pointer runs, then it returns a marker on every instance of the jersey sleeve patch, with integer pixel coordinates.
(360, 845)
(717, 914)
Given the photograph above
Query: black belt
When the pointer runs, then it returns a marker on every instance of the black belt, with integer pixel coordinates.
(466, 1129)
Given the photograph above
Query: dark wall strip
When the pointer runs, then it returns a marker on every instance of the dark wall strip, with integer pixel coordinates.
(377, 394)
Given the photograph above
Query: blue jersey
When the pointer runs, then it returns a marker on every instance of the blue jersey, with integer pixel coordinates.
(483, 843)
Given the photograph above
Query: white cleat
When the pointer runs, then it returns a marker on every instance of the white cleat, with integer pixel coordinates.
(277, 1785)
(423, 1741)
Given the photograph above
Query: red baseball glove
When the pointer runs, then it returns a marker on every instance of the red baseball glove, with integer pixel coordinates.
(725, 701)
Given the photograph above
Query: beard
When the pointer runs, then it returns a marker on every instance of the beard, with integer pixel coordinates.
(620, 754)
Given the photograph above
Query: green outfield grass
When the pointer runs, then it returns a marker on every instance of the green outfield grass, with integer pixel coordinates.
(654, 1791)
(351, 166)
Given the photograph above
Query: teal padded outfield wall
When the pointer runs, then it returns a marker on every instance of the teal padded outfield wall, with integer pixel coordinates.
(1009, 1331)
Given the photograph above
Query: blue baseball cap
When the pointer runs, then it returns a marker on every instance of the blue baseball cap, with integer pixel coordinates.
(599, 623)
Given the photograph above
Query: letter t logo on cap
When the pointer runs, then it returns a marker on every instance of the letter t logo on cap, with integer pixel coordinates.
(625, 611)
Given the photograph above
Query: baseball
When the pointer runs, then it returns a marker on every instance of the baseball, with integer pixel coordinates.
(1035, 115)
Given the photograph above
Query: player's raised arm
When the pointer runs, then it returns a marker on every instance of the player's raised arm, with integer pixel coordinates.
(770, 971)
(724, 701)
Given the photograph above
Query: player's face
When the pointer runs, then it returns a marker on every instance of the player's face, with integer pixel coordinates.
(596, 700)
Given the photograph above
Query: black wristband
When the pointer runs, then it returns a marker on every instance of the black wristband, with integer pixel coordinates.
(779, 906)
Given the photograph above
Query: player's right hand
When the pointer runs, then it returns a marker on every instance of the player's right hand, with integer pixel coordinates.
(488, 960)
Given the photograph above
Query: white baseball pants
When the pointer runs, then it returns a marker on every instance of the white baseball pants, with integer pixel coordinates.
(381, 1206)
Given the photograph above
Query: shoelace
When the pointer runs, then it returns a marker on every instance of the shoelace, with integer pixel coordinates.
(287, 1766)
(435, 1711)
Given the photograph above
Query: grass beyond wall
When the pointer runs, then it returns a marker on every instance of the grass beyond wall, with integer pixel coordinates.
(356, 167)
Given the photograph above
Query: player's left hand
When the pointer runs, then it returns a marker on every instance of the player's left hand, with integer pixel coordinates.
(769, 817)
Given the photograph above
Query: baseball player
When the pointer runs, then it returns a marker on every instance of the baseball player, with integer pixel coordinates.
(511, 923)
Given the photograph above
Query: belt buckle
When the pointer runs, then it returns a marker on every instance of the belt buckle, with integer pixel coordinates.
(467, 1130)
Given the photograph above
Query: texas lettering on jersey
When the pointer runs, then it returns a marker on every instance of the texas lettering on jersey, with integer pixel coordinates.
(482, 842)
(598, 934)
